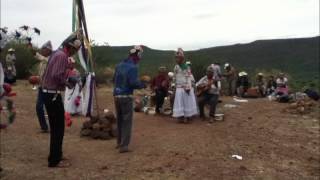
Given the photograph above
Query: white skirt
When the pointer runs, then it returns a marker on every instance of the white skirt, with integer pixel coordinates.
(70, 98)
(185, 105)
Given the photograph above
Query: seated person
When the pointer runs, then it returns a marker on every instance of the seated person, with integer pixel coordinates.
(160, 85)
(271, 85)
(282, 85)
(208, 93)
(242, 84)
(261, 85)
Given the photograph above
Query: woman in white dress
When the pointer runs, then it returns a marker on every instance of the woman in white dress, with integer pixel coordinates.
(73, 97)
(185, 105)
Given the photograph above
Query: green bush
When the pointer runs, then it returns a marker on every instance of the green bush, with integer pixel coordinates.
(25, 63)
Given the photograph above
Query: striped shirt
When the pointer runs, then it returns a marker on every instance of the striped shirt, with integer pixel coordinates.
(55, 75)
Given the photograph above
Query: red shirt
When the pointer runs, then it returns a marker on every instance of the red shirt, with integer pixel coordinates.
(160, 82)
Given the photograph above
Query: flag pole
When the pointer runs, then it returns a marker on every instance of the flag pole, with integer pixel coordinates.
(93, 65)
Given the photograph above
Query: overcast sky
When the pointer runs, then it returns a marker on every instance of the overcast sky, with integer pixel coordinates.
(168, 24)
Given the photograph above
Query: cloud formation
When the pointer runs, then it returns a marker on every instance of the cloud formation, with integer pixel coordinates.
(167, 24)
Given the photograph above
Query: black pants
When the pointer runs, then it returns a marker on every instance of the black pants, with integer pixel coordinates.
(160, 95)
(55, 110)
(124, 110)
(211, 99)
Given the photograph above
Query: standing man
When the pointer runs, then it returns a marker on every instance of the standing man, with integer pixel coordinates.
(42, 57)
(53, 83)
(11, 72)
(125, 81)
(231, 77)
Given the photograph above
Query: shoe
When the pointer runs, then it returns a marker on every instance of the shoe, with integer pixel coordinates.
(124, 150)
(61, 164)
(44, 131)
(211, 120)
(180, 120)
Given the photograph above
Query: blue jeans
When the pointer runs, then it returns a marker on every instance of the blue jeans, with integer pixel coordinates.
(40, 110)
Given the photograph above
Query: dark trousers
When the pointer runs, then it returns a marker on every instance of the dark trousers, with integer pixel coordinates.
(40, 110)
(211, 99)
(231, 87)
(55, 110)
(160, 95)
(124, 111)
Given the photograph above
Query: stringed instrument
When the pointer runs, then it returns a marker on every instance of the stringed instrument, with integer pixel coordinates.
(205, 87)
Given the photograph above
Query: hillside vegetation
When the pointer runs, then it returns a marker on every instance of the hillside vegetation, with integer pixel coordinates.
(299, 58)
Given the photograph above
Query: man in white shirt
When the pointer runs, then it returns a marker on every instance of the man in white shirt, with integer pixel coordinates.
(209, 89)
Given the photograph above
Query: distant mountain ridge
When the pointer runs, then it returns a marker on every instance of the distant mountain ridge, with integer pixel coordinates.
(299, 56)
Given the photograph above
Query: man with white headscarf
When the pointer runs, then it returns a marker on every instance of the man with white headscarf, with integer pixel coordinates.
(125, 82)
(231, 78)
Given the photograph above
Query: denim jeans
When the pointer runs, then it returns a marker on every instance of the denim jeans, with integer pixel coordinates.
(40, 110)
(124, 110)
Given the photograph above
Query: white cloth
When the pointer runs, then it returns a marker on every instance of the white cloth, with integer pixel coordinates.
(185, 104)
(216, 71)
(182, 78)
(1, 79)
(42, 65)
(87, 105)
(282, 82)
(70, 97)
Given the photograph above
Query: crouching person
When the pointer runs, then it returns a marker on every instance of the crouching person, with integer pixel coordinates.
(208, 93)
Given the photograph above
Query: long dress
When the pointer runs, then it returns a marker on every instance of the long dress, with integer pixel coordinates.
(185, 104)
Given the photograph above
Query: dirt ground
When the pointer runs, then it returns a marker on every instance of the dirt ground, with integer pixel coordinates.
(273, 144)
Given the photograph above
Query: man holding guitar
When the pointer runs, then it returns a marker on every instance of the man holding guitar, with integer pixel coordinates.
(208, 93)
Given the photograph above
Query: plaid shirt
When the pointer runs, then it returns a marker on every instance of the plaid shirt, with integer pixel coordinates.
(55, 75)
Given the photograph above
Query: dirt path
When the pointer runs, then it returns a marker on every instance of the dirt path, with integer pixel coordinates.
(273, 146)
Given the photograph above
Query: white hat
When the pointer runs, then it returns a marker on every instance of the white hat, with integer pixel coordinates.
(260, 74)
(188, 63)
(135, 49)
(47, 45)
(11, 50)
(226, 65)
(170, 74)
(242, 73)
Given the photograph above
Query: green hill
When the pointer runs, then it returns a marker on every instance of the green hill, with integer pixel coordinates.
(298, 57)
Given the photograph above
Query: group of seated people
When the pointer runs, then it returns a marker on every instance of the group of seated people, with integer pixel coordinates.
(261, 87)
